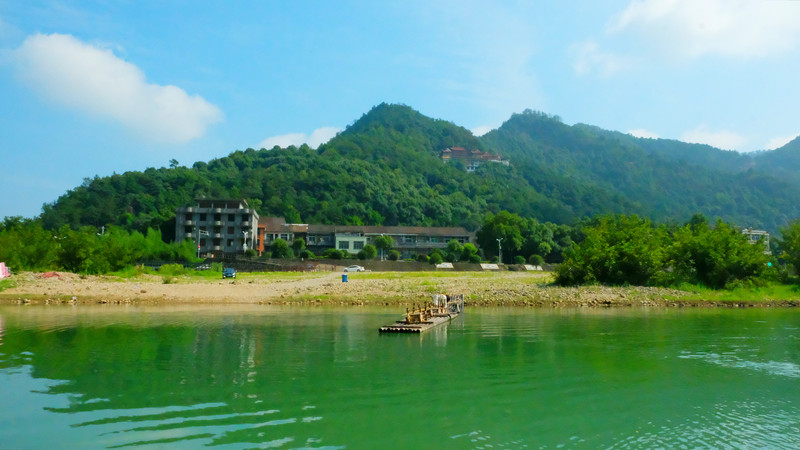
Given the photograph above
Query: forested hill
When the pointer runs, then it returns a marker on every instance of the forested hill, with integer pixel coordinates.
(665, 180)
(385, 169)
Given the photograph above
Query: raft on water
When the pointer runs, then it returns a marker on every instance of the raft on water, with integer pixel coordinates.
(444, 308)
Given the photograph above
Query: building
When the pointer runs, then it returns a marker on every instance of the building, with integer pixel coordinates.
(756, 237)
(472, 159)
(217, 226)
(409, 241)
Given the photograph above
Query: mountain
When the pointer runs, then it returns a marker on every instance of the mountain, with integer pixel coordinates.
(385, 169)
(662, 179)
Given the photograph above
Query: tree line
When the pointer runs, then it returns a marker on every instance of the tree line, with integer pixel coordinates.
(607, 249)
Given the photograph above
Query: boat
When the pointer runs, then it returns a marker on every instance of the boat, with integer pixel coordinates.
(418, 319)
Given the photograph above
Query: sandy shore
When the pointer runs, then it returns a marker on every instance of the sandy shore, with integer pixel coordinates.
(379, 288)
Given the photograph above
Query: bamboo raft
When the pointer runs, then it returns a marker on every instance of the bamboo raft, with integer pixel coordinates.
(444, 308)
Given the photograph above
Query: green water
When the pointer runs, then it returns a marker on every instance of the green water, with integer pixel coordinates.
(268, 377)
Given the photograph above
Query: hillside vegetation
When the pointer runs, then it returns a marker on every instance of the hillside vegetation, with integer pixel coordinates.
(384, 169)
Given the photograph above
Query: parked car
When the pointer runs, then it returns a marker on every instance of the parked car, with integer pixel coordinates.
(228, 272)
(354, 269)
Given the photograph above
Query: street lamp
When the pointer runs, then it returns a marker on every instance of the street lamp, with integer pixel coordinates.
(244, 245)
(499, 251)
(199, 232)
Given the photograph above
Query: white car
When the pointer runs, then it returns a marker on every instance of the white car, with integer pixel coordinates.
(354, 269)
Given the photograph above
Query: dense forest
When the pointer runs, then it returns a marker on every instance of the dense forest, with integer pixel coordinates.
(385, 169)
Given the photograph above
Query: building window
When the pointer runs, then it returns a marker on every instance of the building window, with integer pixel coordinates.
(230, 242)
(312, 239)
(230, 230)
(202, 216)
(245, 217)
(344, 245)
(358, 245)
(231, 217)
(188, 229)
(188, 217)
(285, 237)
(217, 217)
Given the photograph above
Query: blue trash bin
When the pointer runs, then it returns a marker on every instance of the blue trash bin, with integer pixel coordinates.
(344, 278)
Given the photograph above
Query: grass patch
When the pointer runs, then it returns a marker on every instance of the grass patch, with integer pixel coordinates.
(7, 284)
(772, 292)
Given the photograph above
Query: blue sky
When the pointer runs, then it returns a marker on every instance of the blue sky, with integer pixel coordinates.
(95, 87)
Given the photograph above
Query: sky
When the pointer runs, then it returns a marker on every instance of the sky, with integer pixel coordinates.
(96, 87)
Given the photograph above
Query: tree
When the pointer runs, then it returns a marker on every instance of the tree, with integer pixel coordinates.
(617, 250)
(715, 256)
(468, 251)
(435, 258)
(370, 252)
(384, 243)
(298, 245)
(454, 250)
(790, 243)
(280, 249)
(507, 227)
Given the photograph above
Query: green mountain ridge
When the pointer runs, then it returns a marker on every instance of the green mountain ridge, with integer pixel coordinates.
(385, 169)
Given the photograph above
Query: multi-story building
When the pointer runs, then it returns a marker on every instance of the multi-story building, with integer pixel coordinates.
(409, 241)
(758, 237)
(217, 226)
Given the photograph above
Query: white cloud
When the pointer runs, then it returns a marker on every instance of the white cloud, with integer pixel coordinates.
(90, 79)
(480, 131)
(778, 142)
(642, 133)
(317, 137)
(733, 28)
(726, 140)
(589, 58)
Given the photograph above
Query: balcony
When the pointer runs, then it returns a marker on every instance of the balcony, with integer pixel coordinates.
(189, 223)
(246, 224)
(217, 223)
(217, 248)
(189, 236)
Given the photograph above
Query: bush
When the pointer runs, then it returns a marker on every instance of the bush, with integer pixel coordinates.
(422, 258)
(332, 253)
(536, 260)
(251, 252)
(519, 259)
(394, 255)
(436, 258)
(475, 259)
(172, 269)
(362, 255)
(307, 254)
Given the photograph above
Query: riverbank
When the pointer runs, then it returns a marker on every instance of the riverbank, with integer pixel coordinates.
(532, 289)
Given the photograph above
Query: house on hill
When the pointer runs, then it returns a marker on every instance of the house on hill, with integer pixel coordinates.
(472, 159)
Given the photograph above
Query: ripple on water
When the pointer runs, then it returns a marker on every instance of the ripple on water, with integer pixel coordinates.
(738, 425)
(215, 424)
(779, 368)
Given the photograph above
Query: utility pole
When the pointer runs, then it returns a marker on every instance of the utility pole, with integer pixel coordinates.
(499, 250)
(199, 232)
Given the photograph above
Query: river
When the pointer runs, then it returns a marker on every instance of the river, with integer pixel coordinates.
(287, 377)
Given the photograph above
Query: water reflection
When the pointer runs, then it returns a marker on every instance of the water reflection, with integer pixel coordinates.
(325, 378)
